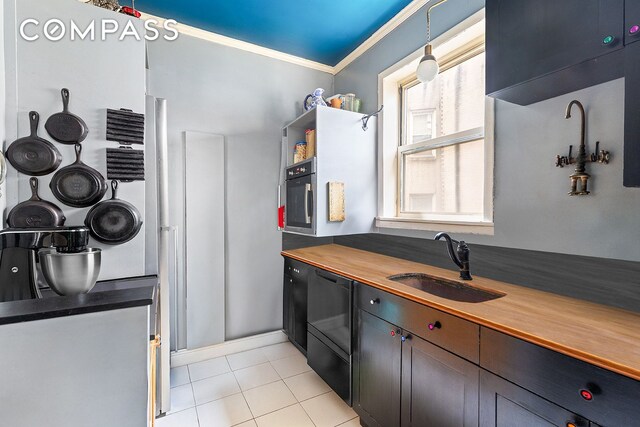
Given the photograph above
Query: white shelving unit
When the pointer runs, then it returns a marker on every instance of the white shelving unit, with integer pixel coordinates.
(344, 153)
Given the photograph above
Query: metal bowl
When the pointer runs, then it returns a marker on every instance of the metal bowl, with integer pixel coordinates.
(70, 273)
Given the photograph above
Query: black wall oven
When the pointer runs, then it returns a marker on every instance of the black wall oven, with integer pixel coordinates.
(300, 198)
(329, 332)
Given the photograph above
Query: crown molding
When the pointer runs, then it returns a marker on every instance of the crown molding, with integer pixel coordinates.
(383, 31)
(242, 45)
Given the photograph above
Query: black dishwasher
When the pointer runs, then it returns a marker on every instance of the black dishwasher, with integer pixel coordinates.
(294, 321)
(329, 335)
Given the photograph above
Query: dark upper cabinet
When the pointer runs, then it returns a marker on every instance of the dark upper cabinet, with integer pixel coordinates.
(541, 49)
(503, 404)
(632, 21)
(631, 170)
(438, 387)
(377, 361)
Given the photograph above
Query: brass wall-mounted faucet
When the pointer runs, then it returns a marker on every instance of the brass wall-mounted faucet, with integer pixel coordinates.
(580, 174)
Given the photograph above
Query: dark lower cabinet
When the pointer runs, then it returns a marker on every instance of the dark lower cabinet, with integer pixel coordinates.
(403, 380)
(287, 306)
(294, 314)
(438, 387)
(377, 364)
(503, 404)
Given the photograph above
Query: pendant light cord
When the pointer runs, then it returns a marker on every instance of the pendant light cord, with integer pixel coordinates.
(429, 19)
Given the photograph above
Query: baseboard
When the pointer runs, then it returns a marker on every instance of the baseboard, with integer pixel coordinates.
(185, 357)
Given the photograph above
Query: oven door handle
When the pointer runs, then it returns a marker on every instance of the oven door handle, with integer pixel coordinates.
(307, 199)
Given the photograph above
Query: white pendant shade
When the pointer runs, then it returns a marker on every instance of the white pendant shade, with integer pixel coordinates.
(427, 69)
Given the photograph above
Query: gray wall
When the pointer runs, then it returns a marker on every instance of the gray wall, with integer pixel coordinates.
(532, 209)
(247, 98)
(361, 76)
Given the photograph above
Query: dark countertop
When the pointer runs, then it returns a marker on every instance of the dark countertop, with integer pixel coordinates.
(106, 295)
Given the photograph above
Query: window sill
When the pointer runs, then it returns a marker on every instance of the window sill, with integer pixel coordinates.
(483, 228)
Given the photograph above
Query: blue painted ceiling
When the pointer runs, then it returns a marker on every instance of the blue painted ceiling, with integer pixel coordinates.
(321, 30)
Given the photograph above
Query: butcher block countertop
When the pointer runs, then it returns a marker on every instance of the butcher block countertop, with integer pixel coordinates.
(603, 336)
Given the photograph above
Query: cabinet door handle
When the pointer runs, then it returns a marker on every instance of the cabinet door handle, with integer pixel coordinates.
(374, 301)
(434, 325)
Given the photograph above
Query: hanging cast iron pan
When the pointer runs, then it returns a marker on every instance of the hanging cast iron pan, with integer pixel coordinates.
(78, 185)
(33, 155)
(113, 221)
(35, 212)
(66, 127)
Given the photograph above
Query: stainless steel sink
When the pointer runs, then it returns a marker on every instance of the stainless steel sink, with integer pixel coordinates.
(446, 289)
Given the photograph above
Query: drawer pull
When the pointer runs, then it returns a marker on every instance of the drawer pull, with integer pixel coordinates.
(434, 325)
(586, 395)
(609, 41)
(374, 301)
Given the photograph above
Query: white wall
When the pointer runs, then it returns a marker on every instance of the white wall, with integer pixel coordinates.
(76, 371)
(3, 199)
(247, 98)
(532, 208)
(99, 75)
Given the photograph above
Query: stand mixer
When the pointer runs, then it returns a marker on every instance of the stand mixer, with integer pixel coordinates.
(68, 265)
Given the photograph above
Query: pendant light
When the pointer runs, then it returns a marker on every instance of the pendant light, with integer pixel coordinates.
(428, 67)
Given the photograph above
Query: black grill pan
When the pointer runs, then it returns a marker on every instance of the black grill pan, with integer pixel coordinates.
(125, 126)
(125, 164)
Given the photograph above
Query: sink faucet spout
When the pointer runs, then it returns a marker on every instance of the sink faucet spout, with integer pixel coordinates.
(460, 256)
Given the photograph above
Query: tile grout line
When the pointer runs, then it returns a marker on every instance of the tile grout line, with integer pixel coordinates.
(242, 391)
(300, 401)
(271, 412)
(195, 406)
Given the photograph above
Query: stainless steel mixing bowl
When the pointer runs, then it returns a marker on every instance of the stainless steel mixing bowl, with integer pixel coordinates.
(70, 273)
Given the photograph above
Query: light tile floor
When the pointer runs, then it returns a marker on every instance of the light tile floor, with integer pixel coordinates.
(267, 387)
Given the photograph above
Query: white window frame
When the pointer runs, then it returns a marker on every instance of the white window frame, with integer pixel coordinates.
(447, 46)
(425, 111)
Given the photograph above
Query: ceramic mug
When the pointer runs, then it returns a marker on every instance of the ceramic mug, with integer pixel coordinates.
(336, 102)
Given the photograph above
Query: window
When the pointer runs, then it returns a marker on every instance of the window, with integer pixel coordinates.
(437, 152)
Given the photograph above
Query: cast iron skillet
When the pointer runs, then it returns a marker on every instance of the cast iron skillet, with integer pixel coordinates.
(33, 155)
(78, 185)
(35, 212)
(113, 221)
(66, 127)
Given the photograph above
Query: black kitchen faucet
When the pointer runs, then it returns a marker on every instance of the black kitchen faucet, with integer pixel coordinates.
(462, 257)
